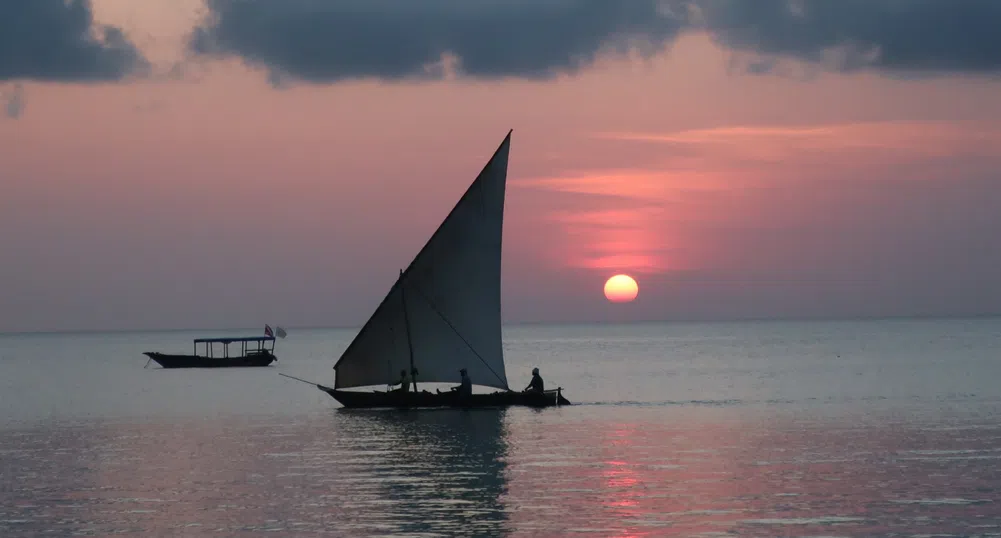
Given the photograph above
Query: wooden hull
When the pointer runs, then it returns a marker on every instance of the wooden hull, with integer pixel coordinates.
(195, 361)
(411, 400)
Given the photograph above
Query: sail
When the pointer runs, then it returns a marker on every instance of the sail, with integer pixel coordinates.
(446, 306)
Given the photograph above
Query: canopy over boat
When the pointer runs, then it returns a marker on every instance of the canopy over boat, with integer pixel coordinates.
(229, 340)
(443, 313)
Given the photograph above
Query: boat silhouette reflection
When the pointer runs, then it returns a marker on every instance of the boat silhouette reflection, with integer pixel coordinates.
(438, 471)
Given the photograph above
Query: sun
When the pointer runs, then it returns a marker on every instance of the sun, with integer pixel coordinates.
(621, 289)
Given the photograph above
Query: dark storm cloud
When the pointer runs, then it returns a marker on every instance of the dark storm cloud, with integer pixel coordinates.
(329, 40)
(325, 41)
(57, 40)
(900, 36)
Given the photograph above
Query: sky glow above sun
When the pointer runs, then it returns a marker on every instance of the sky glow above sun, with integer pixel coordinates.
(621, 289)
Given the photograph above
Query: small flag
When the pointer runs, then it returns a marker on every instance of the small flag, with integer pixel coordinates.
(280, 333)
(267, 330)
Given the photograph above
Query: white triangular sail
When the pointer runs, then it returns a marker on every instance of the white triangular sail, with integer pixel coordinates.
(446, 305)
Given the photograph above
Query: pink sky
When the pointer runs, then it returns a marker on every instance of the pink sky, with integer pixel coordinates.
(218, 200)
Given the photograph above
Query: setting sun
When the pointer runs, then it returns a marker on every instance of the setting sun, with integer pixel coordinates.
(621, 289)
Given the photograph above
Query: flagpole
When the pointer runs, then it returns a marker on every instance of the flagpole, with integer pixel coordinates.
(269, 332)
(275, 334)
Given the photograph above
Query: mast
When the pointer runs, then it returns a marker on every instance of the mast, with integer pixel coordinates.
(406, 327)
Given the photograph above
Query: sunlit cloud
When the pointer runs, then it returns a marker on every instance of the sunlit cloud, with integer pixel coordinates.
(634, 240)
(630, 184)
(927, 139)
(616, 218)
(629, 237)
(625, 184)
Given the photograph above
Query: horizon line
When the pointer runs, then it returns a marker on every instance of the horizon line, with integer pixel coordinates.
(775, 319)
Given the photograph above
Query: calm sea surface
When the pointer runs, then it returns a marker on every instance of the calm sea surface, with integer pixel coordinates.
(876, 428)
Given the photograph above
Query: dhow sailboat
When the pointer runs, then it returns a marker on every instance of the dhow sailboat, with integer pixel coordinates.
(442, 315)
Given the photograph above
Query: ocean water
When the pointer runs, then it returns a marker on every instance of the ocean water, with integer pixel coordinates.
(868, 428)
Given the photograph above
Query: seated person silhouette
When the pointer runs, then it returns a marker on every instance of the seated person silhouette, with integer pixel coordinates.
(465, 388)
(536, 385)
(404, 382)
